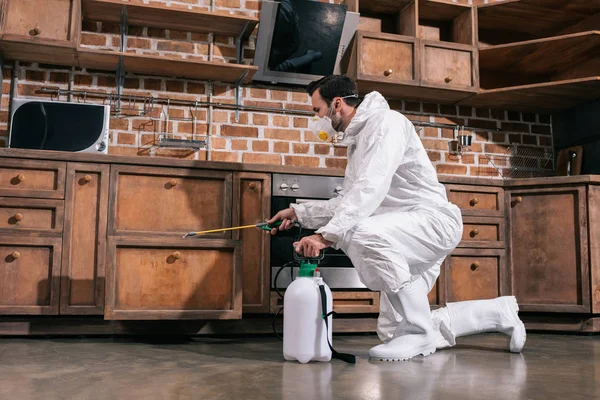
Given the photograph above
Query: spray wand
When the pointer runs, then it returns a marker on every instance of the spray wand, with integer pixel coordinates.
(262, 225)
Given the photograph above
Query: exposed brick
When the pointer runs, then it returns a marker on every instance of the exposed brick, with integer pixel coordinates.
(93, 39)
(233, 130)
(59, 77)
(132, 83)
(175, 86)
(223, 39)
(199, 37)
(545, 141)
(258, 93)
(196, 88)
(489, 172)
(176, 153)
(122, 151)
(397, 105)
(530, 139)
(467, 159)
(107, 81)
(258, 158)
(260, 145)
(447, 133)
(431, 132)
(412, 106)
(450, 120)
(39, 76)
(148, 139)
(465, 111)
(300, 148)
(298, 97)
(220, 116)
(340, 151)
(451, 169)
(223, 51)
(336, 163)
(224, 91)
(260, 119)
(529, 117)
(432, 144)
(242, 118)
(228, 3)
(178, 35)
(281, 147)
(176, 113)
(279, 95)
(239, 144)
(482, 136)
(121, 124)
(265, 104)
(544, 118)
(135, 30)
(300, 161)
(499, 115)
(300, 122)
(448, 109)
(90, 26)
(157, 33)
(541, 129)
(513, 116)
(514, 138)
(515, 127)
(482, 113)
(226, 156)
(176, 47)
(187, 127)
(434, 156)
(322, 149)
(499, 137)
(253, 5)
(430, 108)
(480, 123)
(152, 84)
(282, 134)
(28, 90)
(218, 143)
(281, 120)
(126, 138)
(495, 148)
(138, 43)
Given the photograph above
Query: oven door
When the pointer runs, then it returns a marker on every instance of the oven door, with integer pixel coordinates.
(336, 268)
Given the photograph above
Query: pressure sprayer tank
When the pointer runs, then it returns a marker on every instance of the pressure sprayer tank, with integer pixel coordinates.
(304, 331)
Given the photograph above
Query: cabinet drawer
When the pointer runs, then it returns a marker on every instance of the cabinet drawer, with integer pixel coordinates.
(475, 275)
(483, 232)
(170, 202)
(477, 200)
(153, 279)
(343, 302)
(45, 19)
(32, 178)
(448, 65)
(386, 58)
(31, 215)
(29, 275)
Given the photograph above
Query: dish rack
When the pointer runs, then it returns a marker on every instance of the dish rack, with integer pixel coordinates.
(520, 162)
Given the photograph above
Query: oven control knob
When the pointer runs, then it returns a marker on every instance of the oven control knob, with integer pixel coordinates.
(284, 186)
(338, 189)
(295, 187)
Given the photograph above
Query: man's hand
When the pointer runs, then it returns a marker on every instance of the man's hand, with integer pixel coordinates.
(310, 246)
(287, 216)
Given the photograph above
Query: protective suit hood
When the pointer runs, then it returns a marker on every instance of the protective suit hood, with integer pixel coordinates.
(373, 103)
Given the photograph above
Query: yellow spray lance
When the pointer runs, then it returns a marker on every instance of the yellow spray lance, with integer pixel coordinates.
(262, 225)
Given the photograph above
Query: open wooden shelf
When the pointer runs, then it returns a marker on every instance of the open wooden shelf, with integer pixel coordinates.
(382, 6)
(542, 56)
(441, 10)
(164, 65)
(520, 20)
(546, 97)
(169, 18)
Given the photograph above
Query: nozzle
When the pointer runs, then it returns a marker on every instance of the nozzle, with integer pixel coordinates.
(189, 234)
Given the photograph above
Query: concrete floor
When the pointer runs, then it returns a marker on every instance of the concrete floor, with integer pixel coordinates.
(479, 367)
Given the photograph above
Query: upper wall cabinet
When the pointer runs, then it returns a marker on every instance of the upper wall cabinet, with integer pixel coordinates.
(47, 30)
(415, 49)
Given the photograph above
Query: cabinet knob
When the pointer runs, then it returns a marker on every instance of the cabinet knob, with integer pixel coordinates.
(19, 217)
(388, 72)
(475, 265)
(35, 31)
(177, 255)
(474, 201)
(15, 255)
(173, 183)
(252, 185)
(518, 199)
(448, 79)
(87, 178)
(474, 232)
(20, 178)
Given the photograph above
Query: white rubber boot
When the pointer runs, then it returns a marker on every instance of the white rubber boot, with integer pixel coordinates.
(477, 316)
(416, 334)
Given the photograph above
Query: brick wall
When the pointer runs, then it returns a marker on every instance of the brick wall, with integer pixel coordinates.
(257, 137)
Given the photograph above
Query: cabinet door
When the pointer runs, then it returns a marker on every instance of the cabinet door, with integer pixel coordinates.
(446, 65)
(169, 202)
(84, 243)
(548, 241)
(252, 204)
(55, 20)
(176, 279)
(29, 275)
(475, 275)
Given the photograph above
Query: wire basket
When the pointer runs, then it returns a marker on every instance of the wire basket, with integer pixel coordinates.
(519, 162)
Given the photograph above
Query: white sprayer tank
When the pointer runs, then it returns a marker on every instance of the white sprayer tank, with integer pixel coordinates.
(304, 330)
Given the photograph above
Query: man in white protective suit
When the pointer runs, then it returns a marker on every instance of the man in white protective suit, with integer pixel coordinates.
(395, 223)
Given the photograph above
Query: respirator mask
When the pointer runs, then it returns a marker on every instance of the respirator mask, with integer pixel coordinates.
(322, 127)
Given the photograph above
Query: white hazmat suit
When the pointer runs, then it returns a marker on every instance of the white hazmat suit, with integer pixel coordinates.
(394, 221)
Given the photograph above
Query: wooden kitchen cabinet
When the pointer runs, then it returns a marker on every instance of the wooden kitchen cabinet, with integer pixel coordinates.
(40, 30)
(169, 202)
(176, 279)
(252, 204)
(549, 261)
(84, 243)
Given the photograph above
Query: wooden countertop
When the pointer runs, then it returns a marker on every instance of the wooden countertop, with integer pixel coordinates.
(229, 166)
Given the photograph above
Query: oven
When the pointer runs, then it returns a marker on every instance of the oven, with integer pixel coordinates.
(335, 267)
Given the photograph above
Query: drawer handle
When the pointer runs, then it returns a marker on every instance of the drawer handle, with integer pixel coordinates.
(172, 183)
(252, 185)
(177, 255)
(448, 79)
(18, 179)
(15, 255)
(87, 178)
(518, 199)
(35, 31)
(18, 217)
(388, 72)
(474, 232)
(475, 265)
(474, 201)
